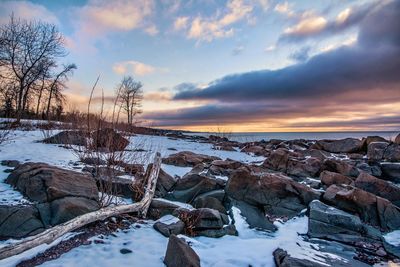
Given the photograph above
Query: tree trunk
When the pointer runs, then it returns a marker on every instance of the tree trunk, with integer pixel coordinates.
(55, 232)
(49, 102)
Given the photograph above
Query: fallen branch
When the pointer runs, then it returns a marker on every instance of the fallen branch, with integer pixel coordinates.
(55, 232)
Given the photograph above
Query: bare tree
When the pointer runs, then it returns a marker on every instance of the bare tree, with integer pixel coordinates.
(57, 84)
(28, 50)
(130, 96)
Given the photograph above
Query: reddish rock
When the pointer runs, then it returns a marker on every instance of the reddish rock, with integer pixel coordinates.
(329, 178)
(188, 159)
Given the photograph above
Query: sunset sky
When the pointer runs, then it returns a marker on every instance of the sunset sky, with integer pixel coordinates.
(236, 65)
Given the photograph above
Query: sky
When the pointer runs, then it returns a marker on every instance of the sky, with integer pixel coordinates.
(236, 65)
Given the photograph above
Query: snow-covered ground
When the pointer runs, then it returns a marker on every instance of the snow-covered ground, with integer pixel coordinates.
(148, 247)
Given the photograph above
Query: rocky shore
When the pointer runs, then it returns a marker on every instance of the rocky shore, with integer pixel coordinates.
(348, 189)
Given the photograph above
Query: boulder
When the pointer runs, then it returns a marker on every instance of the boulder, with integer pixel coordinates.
(277, 194)
(329, 178)
(209, 202)
(390, 171)
(397, 139)
(327, 222)
(370, 139)
(254, 216)
(179, 253)
(205, 222)
(378, 187)
(191, 185)
(370, 208)
(347, 145)
(188, 159)
(315, 153)
(109, 140)
(309, 167)
(165, 183)
(169, 225)
(278, 159)
(224, 167)
(283, 259)
(67, 208)
(372, 169)
(254, 149)
(340, 166)
(19, 221)
(161, 207)
(376, 150)
(44, 183)
(392, 153)
(68, 138)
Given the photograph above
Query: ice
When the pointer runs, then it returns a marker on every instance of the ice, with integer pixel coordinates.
(393, 238)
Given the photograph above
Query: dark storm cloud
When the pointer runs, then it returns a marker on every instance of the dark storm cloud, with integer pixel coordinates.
(374, 62)
(334, 83)
(356, 15)
(300, 55)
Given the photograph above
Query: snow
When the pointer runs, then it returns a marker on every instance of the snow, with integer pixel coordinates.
(13, 261)
(148, 247)
(393, 238)
(168, 219)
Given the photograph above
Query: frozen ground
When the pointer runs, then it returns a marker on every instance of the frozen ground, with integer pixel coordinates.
(148, 247)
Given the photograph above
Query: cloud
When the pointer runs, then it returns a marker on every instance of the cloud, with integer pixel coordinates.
(181, 23)
(25, 10)
(311, 25)
(135, 67)
(284, 8)
(300, 55)
(238, 50)
(99, 17)
(219, 25)
(346, 83)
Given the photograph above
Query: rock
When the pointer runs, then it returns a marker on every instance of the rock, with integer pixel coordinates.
(125, 251)
(109, 140)
(277, 194)
(373, 170)
(191, 185)
(10, 163)
(376, 150)
(309, 167)
(188, 159)
(370, 208)
(370, 139)
(93, 161)
(278, 159)
(133, 169)
(255, 217)
(254, 149)
(347, 145)
(200, 219)
(215, 138)
(327, 222)
(67, 208)
(165, 183)
(44, 183)
(19, 221)
(68, 138)
(179, 253)
(209, 202)
(283, 259)
(341, 167)
(224, 167)
(379, 187)
(224, 147)
(315, 153)
(169, 225)
(115, 185)
(390, 171)
(392, 153)
(160, 207)
(329, 178)
(397, 139)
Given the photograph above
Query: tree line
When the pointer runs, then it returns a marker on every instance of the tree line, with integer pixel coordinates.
(32, 79)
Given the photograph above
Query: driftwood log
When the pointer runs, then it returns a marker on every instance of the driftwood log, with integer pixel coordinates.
(50, 235)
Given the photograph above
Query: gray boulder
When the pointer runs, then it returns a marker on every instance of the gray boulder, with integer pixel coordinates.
(390, 171)
(169, 225)
(376, 150)
(330, 223)
(68, 138)
(179, 253)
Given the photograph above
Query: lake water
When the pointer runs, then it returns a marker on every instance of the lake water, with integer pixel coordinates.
(250, 137)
